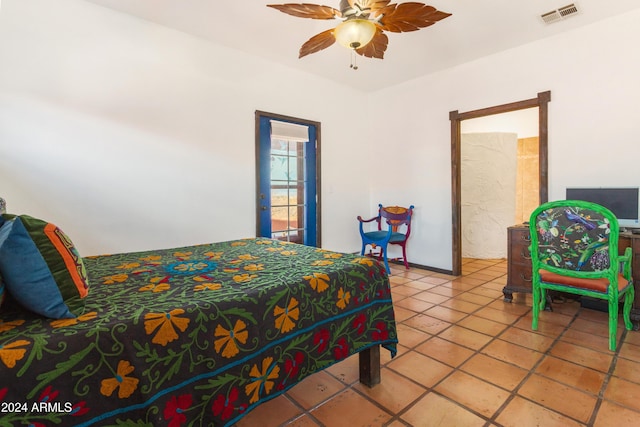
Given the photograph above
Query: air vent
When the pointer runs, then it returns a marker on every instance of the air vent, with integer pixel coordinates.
(559, 14)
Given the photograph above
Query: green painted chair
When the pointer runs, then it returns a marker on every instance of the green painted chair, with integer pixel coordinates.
(574, 249)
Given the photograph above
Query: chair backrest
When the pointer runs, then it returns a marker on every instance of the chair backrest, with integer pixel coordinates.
(574, 238)
(396, 216)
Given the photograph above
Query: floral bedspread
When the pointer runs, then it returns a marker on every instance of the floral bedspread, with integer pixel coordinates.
(197, 335)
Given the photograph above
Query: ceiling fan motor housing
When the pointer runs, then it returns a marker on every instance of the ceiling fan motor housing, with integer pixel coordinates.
(350, 12)
(345, 8)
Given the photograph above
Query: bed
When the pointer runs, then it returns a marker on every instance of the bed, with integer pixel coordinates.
(196, 335)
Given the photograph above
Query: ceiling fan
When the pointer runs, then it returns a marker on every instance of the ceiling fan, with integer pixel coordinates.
(363, 23)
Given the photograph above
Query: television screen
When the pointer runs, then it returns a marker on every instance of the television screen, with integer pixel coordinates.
(623, 202)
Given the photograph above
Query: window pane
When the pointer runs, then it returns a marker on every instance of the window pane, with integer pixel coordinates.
(279, 147)
(287, 193)
(279, 197)
(296, 236)
(293, 169)
(279, 165)
(294, 220)
(294, 148)
(279, 220)
(280, 236)
(293, 194)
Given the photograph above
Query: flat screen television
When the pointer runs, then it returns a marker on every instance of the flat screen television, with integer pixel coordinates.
(623, 202)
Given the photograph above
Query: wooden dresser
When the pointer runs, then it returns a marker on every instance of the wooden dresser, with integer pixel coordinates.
(629, 240)
(519, 263)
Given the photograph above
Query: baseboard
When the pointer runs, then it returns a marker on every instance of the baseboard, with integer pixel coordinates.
(423, 267)
(414, 265)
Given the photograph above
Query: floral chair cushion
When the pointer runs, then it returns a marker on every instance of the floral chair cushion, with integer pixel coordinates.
(573, 238)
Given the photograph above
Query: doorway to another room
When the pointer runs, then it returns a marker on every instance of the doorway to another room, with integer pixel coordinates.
(499, 179)
(456, 118)
(287, 178)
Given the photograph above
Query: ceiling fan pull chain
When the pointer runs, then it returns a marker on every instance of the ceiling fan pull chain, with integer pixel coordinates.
(354, 60)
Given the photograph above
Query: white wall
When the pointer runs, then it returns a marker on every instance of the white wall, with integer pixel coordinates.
(592, 74)
(524, 123)
(131, 136)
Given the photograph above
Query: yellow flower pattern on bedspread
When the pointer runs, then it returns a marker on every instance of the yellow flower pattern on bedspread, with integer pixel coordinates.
(262, 380)
(229, 338)
(286, 317)
(10, 353)
(318, 281)
(197, 335)
(125, 385)
(164, 325)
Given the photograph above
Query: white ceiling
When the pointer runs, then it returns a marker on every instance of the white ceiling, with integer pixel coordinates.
(476, 28)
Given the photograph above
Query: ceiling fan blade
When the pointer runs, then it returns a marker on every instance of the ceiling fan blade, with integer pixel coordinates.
(317, 43)
(306, 10)
(376, 47)
(412, 16)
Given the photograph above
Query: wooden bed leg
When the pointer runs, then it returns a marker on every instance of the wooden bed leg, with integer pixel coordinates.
(370, 366)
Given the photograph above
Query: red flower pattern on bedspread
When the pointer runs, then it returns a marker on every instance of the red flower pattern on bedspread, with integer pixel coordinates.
(174, 410)
(199, 335)
(224, 406)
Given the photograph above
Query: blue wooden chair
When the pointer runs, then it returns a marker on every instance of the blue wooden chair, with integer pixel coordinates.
(574, 249)
(395, 231)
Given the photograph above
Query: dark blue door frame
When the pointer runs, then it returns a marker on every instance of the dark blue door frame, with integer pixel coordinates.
(311, 155)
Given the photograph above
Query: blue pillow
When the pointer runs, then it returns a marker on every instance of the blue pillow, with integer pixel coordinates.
(41, 268)
(2, 292)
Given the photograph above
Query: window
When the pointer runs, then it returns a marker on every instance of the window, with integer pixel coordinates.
(287, 190)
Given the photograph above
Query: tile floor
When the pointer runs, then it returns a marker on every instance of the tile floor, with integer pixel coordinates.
(467, 358)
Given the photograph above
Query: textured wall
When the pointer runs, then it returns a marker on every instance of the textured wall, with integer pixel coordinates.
(489, 165)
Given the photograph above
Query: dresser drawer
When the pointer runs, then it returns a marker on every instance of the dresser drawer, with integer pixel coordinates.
(520, 254)
(519, 236)
(519, 275)
(519, 241)
(518, 261)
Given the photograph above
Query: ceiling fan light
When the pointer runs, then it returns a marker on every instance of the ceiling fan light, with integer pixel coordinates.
(355, 33)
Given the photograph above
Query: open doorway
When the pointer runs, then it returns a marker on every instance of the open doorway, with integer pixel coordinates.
(499, 179)
(541, 101)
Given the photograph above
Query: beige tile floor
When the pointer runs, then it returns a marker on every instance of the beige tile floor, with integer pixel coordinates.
(467, 358)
